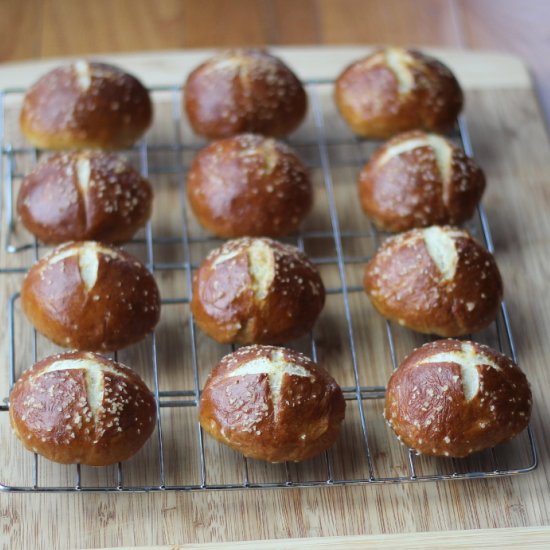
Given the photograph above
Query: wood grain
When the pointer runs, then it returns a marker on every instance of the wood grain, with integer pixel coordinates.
(513, 26)
(389, 21)
(224, 23)
(294, 22)
(510, 143)
(104, 26)
(498, 539)
(20, 29)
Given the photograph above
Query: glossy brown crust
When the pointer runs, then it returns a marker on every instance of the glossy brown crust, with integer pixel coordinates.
(121, 307)
(226, 302)
(110, 206)
(411, 190)
(52, 413)
(86, 105)
(244, 90)
(248, 185)
(427, 407)
(243, 412)
(371, 100)
(405, 285)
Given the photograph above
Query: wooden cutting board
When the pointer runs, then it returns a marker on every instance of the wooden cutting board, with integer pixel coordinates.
(510, 142)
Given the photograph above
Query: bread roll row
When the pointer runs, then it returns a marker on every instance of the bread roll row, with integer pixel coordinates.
(449, 398)
(96, 105)
(248, 185)
(436, 280)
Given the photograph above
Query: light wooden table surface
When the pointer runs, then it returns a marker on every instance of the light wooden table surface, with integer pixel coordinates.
(510, 142)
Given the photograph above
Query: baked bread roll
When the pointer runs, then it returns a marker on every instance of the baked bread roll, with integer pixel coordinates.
(82, 408)
(453, 398)
(249, 185)
(394, 90)
(244, 90)
(256, 291)
(437, 280)
(418, 179)
(273, 404)
(91, 296)
(84, 196)
(86, 105)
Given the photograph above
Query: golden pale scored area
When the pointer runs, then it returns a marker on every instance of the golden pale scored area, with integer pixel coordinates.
(83, 174)
(267, 150)
(95, 377)
(441, 149)
(399, 62)
(88, 260)
(83, 74)
(261, 264)
(469, 359)
(276, 368)
(441, 246)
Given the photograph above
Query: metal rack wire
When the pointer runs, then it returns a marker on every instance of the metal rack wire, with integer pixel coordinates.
(23, 252)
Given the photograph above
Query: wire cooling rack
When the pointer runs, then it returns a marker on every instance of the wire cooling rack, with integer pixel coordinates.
(353, 342)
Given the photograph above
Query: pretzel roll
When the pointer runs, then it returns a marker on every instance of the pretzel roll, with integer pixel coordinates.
(273, 404)
(244, 90)
(82, 408)
(84, 196)
(437, 280)
(453, 398)
(256, 291)
(86, 105)
(418, 179)
(248, 185)
(91, 296)
(394, 90)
